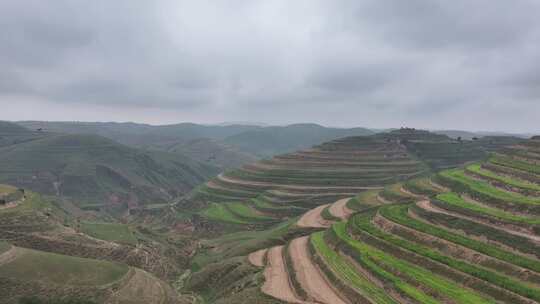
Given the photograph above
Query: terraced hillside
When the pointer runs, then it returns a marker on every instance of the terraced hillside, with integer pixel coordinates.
(287, 185)
(467, 235)
(31, 221)
(268, 191)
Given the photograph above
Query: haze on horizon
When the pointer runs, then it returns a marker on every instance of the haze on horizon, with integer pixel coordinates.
(469, 65)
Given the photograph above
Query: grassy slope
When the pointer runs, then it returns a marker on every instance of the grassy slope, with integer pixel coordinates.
(90, 168)
(61, 269)
(113, 232)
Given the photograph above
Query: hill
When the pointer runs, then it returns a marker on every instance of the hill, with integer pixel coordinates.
(269, 141)
(97, 172)
(251, 140)
(53, 277)
(272, 208)
(270, 190)
(213, 152)
(465, 235)
(32, 221)
(11, 134)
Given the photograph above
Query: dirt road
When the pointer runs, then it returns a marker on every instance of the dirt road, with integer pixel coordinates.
(339, 209)
(277, 282)
(313, 218)
(257, 258)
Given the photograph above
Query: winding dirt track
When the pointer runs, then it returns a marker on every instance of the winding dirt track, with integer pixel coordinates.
(309, 276)
(426, 205)
(257, 258)
(313, 219)
(339, 209)
(277, 282)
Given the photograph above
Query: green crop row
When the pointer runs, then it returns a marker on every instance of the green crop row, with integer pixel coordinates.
(514, 163)
(376, 258)
(485, 188)
(363, 223)
(477, 169)
(345, 271)
(245, 212)
(399, 214)
(455, 200)
(491, 234)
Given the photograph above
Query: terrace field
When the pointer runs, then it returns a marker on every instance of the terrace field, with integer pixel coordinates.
(328, 172)
(459, 236)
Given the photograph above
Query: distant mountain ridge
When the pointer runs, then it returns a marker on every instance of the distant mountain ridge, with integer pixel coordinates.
(253, 140)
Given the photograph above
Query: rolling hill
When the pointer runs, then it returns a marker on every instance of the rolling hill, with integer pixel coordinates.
(11, 134)
(251, 140)
(96, 172)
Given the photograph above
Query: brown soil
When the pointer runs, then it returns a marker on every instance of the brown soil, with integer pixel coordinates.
(309, 276)
(339, 209)
(257, 258)
(277, 282)
(313, 219)
(383, 200)
(438, 186)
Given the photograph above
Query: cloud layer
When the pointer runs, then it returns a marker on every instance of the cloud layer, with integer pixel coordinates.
(425, 63)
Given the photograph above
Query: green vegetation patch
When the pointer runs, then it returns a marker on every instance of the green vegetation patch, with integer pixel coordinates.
(382, 263)
(219, 212)
(514, 163)
(345, 271)
(477, 169)
(364, 200)
(454, 199)
(486, 189)
(112, 232)
(4, 246)
(33, 265)
(363, 222)
(399, 214)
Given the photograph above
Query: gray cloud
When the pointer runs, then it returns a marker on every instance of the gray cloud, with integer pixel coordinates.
(427, 63)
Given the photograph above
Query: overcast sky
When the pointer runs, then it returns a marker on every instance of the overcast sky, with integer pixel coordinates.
(457, 64)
